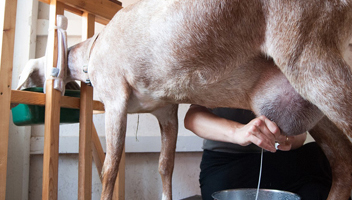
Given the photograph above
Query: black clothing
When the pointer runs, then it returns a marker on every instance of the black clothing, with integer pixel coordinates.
(305, 171)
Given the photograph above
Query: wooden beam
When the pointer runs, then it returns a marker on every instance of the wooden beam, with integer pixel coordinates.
(88, 25)
(85, 144)
(51, 143)
(45, 1)
(104, 10)
(35, 98)
(73, 10)
(86, 119)
(52, 113)
(25, 97)
(79, 12)
(98, 152)
(7, 40)
(119, 189)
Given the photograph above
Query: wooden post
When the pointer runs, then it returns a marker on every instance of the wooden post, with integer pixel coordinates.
(98, 152)
(85, 141)
(86, 120)
(7, 40)
(52, 112)
(119, 189)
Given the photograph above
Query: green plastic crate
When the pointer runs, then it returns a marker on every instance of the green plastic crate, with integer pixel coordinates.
(23, 114)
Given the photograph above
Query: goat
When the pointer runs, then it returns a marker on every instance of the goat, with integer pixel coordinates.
(281, 59)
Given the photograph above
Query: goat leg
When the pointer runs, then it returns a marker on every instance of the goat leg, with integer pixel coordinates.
(338, 149)
(115, 130)
(168, 122)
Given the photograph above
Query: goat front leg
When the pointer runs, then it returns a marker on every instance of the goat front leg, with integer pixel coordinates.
(338, 149)
(168, 122)
(115, 130)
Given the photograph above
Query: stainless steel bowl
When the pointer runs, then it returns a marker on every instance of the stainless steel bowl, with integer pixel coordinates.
(249, 194)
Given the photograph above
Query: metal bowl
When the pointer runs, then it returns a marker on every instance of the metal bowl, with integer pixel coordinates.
(249, 194)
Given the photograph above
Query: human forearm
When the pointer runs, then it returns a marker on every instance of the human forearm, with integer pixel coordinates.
(260, 131)
(209, 126)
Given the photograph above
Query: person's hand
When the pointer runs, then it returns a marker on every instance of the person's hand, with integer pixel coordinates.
(261, 132)
(285, 142)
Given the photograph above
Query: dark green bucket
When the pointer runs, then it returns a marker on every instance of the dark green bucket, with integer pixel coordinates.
(23, 114)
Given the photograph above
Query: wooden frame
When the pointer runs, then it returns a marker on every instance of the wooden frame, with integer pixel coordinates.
(91, 10)
(7, 40)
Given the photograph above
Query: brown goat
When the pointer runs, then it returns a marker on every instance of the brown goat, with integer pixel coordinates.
(281, 59)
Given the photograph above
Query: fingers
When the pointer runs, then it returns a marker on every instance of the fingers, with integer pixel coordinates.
(285, 142)
(272, 126)
(285, 145)
(262, 133)
(260, 142)
(265, 133)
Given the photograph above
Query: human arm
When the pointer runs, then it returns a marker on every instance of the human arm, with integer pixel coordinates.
(260, 131)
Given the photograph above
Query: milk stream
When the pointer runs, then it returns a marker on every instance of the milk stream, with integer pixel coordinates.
(260, 174)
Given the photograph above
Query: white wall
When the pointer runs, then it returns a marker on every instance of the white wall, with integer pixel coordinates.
(142, 178)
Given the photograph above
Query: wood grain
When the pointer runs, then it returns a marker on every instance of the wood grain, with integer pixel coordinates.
(104, 10)
(7, 39)
(34, 98)
(52, 113)
(86, 119)
(85, 144)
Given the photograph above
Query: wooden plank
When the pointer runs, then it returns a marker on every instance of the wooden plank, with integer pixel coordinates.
(88, 25)
(102, 9)
(98, 107)
(70, 102)
(98, 152)
(73, 10)
(85, 144)
(25, 97)
(35, 98)
(86, 119)
(102, 20)
(51, 143)
(45, 1)
(79, 12)
(52, 113)
(119, 189)
(7, 40)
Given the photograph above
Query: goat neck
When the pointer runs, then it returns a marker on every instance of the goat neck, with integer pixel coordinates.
(78, 60)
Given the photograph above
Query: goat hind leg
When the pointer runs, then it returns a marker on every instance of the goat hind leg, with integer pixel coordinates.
(326, 81)
(168, 122)
(338, 149)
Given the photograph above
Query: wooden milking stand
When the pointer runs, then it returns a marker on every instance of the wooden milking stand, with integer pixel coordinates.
(89, 144)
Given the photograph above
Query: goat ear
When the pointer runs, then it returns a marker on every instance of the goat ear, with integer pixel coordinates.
(27, 71)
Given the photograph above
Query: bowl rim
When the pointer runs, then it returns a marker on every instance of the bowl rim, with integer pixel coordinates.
(261, 189)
